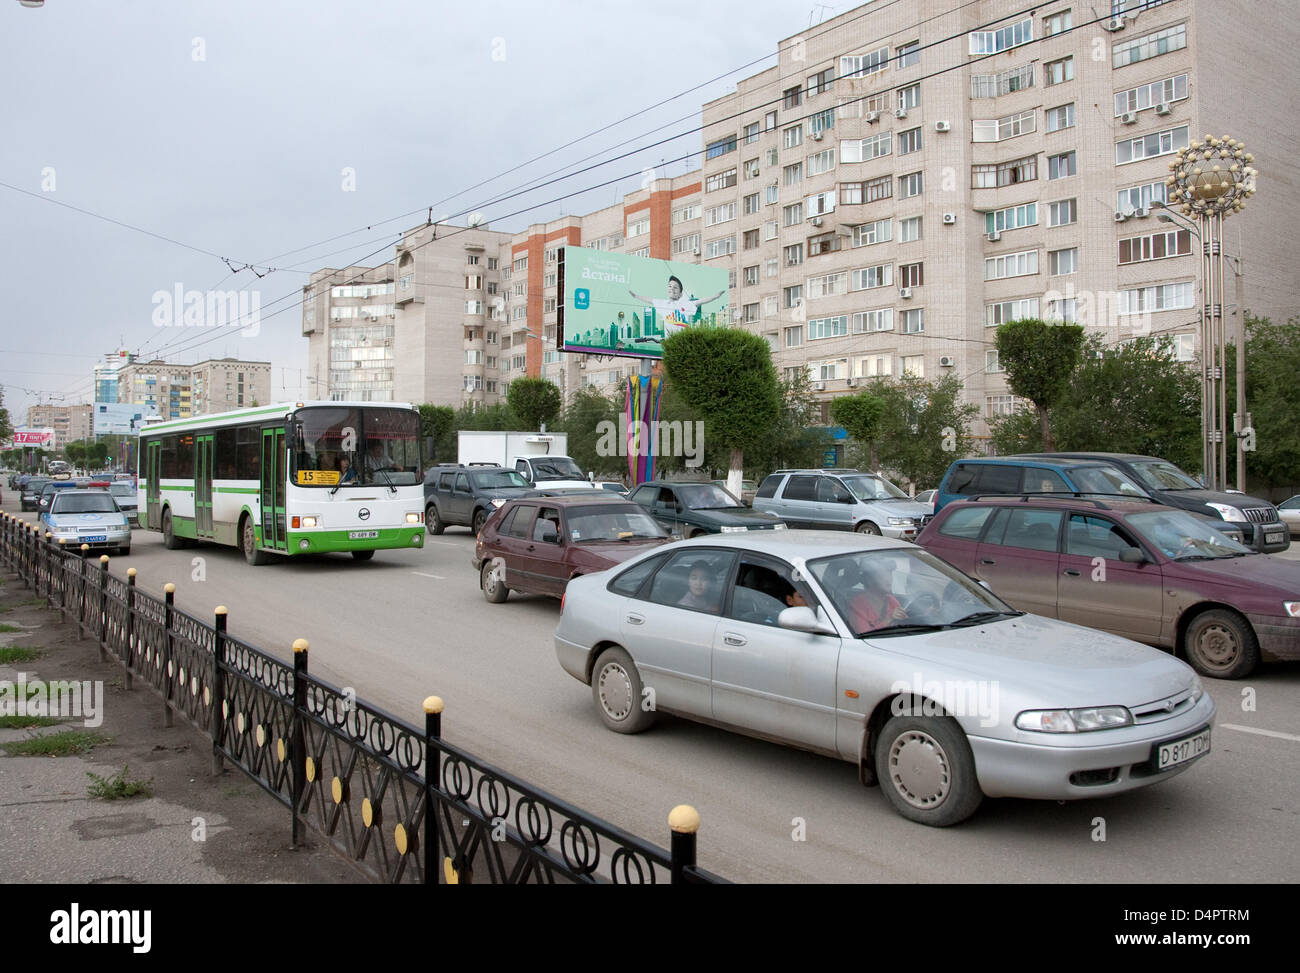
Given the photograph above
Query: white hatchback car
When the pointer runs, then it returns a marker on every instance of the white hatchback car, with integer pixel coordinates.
(876, 652)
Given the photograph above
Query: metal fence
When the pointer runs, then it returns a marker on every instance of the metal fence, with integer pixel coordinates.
(397, 800)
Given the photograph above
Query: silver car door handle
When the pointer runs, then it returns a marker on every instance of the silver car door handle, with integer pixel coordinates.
(733, 639)
(635, 619)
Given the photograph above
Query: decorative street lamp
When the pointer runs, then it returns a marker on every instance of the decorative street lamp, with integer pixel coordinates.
(1209, 180)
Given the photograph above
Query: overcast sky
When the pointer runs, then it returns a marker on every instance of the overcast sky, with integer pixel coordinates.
(227, 126)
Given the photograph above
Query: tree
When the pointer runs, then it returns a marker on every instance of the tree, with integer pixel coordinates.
(498, 417)
(534, 401)
(726, 376)
(6, 425)
(582, 419)
(797, 439)
(1039, 359)
(923, 428)
(439, 423)
(860, 415)
(1272, 398)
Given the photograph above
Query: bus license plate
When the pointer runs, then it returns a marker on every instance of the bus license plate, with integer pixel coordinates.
(1170, 755)
(94, 538)
(363, 535)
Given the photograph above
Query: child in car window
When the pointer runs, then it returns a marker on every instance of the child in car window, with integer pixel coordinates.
(701, 594)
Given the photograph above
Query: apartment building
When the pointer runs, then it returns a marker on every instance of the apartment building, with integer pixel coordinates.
(105, 374)
(163, 386)
(225, 384)
(71, 423)
(909, 176)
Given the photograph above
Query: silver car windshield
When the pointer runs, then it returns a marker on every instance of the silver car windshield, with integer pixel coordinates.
(903, 592)
(873, 488)
(83, 503)
(1182, 537)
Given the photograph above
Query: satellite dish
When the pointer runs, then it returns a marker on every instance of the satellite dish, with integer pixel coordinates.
(476, 219)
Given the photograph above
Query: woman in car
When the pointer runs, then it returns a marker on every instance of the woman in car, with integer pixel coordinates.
(701, 594)
(871, 605)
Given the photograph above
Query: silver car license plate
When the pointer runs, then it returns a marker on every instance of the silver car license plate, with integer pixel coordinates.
(94, 538)
(363, 535)
(1170, 755)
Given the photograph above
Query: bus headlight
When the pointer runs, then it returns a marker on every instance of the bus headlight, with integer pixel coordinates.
(413, 518)
(310, 521)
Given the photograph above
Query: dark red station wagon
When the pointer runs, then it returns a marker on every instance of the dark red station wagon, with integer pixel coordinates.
(537, 544)
(1143, 571)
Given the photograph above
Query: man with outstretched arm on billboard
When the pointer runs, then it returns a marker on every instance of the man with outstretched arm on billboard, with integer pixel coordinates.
(676, 312)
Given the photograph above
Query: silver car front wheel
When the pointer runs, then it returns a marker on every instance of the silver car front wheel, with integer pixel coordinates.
(926, 769)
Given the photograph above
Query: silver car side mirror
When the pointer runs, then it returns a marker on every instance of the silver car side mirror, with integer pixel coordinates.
(802, 619)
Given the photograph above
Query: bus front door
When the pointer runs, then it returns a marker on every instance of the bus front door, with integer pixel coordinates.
(203, 486)
(274, 471)
(153, 484)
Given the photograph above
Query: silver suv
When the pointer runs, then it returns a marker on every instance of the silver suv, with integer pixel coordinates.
(842, 500)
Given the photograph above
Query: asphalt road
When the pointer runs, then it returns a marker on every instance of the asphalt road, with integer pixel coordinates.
(409, 624)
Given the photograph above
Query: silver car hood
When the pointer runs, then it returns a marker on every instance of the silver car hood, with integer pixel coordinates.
(1049, 659)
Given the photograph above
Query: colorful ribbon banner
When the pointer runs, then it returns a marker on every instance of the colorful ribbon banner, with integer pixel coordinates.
(642, 414)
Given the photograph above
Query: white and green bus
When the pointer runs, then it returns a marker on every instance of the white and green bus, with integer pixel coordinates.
(302, 478)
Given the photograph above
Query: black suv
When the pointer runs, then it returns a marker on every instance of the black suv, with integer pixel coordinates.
(467, 495)
(1258, 521)
(30, 498)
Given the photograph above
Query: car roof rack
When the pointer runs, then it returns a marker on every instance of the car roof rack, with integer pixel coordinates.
(824, 469)
(1091, 496)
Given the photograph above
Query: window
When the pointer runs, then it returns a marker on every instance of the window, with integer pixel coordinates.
(910, 97)
(1062, 213)
(1162, 297)
(794, 337)
(867, 322)
(548, 280)
(1061, 117)
(828, 286)
(773, 195)
(521, 263)
(1183, 346)
(719, 247)
(1004, 311)
(820, 162)
(1004, 173)
(750, 241)
(913, 320)
(867, 278)
(1140, 197)
(751, 133)
(720, 180)
(721, 147)
(909, 230)
(793, 136)
(820, 204)
(793, 214)
(793, 173)
(872, 62)
(836, 327)
(1063, 309)
(999, 405)
(821, 81)
(1011, 218)
(792, 98)
(750, 312)
(1150, 146)
(750, 168)
(720, 214)
(1020, 264)
(1057, 23)
(911, 275)
(769, 121)
(869, 234)
(1063, 261)
(909, 141)
(998, 129)
(993, 41)
(548, 305)
(492, 263)
(1149, 46)
(638, 227)
(874, 366)
(991, 361)
(992, 85)
(913, 365)
(908, 55)
(1058, 72)
(770, 229)
(1155, 246)
(752, 204)
(687, 213)
(794, 255)
(793, 295)
(686, 244)
(909, 185)
(474, 307)
(1146, 96)
(823, 243)
(773, 265)
(864, 150)
(1062, 165)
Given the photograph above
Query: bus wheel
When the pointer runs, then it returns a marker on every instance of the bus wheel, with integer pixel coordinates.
(170, 540)
(248, 541)
(363, 555)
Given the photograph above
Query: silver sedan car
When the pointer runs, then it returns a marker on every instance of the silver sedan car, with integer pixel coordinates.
(876, 652)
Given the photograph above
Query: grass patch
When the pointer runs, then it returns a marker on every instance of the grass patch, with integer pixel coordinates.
(10, 654)
(118, 786)
(65, 744)
(6, 629)
(27, 722)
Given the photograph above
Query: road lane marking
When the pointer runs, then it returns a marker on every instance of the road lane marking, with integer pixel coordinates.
(445, 543)
(436, 577)
(1263, 733)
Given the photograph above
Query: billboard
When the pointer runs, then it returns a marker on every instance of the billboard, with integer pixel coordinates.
(613, 304)
(120, 418)
(39, 438)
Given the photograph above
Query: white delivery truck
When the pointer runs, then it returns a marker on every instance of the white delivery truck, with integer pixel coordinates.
(539, 457)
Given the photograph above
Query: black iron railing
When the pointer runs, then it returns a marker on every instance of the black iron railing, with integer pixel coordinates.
(399, 801)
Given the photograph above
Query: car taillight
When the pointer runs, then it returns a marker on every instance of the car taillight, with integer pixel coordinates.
(562, 597)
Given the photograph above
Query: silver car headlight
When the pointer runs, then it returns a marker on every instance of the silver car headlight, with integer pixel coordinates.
(1227, 512)
(498, 503)
(1197, 689)
(900, 521)
(734, 530)
(1074, 720)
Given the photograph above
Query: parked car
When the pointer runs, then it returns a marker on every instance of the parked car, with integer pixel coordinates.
(539, 544)
(128, 499)
(467, 495)
(1256, 520)
(747, 489)
(1289, 511)
(30, 500)
(1144, 571)
(843, 644)
(841, 500)
(927, 497)
(613, 486)
(690, 509)
(1014, 475)
(52, 487)
(88, 517)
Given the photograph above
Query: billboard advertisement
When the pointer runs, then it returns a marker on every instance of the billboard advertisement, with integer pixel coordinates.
(38, 438)
(614, 304)
(120, 418)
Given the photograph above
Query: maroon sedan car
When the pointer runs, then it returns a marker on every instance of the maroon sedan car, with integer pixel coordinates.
(1144, 571)
(537, 544)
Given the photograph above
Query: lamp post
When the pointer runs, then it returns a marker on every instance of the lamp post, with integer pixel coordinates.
(1210, 179)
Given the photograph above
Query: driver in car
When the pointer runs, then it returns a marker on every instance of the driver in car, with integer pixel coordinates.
(872, 606)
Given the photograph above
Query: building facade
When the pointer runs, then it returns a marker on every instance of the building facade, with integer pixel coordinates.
(226, 384)
(71, 423)
(106, 374)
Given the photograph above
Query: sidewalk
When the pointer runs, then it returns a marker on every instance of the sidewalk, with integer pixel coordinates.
(52, 830)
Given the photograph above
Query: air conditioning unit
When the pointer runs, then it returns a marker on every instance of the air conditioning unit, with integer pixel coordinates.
(696, 251)
(816, 136)
(900, 112)
(816, 221)
(1129, 118)
(949, 219)
(994, 236)
(820, 386)
(905, 293)
(872, 117)
(942, 126)
(850, 381)
(1114, 24)
(947, 361)
(1164, 108)
(1141, 213)
(1120, 216)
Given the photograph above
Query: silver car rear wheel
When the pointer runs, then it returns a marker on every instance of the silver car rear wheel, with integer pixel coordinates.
(926, 769)
(616, 687)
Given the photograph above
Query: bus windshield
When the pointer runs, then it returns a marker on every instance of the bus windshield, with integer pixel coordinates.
(340, 446)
